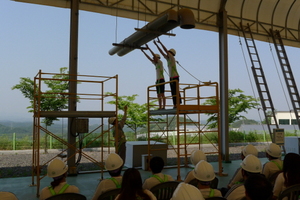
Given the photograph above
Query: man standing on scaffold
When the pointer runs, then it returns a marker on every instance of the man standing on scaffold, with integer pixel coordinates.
(120, 138)
(169, 56)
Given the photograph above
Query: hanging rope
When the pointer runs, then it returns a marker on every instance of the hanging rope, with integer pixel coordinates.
(188, 72)
(116, 27)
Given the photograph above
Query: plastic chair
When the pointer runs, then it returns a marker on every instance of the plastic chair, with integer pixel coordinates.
(214, 183)
(109, 195)
(164, 191)
(67, 196)
(215, 198)
(292, 193)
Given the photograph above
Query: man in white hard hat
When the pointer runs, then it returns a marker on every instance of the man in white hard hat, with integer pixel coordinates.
(159, 77)
(119, 135)
(186, 191)
(113, 164)
(250, 165)
(204, 173)
(169, 56)
(57, 170)
(237, 177)
(156, 166)
(196, 156)
(275, 164)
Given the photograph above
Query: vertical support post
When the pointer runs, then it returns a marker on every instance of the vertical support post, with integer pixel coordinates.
(14, 141)
(73, 83)
(51, 142)
(223, 59)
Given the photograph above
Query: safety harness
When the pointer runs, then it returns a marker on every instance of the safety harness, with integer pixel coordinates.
(159, 179)
(62, 190)
(211, 193)
(118, 185)
(277, 164)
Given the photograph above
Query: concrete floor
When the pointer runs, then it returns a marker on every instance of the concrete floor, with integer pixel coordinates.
(87, 182)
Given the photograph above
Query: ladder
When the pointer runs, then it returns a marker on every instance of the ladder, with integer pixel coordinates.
(287, 73)
(260, 80)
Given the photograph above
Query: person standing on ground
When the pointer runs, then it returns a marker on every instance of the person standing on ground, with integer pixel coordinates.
(160, 89)
(57, 170)
(120, 138)
(169, 56)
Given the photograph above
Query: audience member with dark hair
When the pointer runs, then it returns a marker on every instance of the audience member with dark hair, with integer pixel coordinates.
(250, 165)
(132, 187)
(290, 175)
(273, 153)
(156, 166)
(258, 187)
(113, 164)
(57, 170)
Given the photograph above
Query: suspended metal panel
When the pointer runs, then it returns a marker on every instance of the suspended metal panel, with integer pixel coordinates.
(262, 15)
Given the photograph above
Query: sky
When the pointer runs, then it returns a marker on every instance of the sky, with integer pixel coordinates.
(35, 37)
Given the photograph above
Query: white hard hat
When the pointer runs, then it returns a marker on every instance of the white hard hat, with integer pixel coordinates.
(56, 168)
(173, 51)
(251, 164)
(113, 161)
(157, 55)
(204, 171)
(187, 192)
(249, 149)
(196, 156)
(111, 120)
(274, 150)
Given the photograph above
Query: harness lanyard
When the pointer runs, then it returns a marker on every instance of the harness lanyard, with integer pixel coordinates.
(160, 180)
(277, 164)
(118, 185)
(60, 191)
(211, 193)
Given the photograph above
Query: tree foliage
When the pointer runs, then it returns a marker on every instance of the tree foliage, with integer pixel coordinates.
(53, 99)
(137, 116)
(237, 102)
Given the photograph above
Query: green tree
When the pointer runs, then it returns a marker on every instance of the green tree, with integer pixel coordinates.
(237, 102)
(53, 99)
(137, 116)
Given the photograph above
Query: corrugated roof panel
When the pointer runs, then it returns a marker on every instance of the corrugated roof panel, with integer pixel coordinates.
(281, 12)
(283, 15)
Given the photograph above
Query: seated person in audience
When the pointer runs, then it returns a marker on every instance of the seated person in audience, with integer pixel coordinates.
(113, 164)
(57, 170)
(196, 156)
(8, 196)
(186, 191)
(290, 174)
(131, 188)
(204, 173)
(156, 167)
(237, 177)
(250, 165)
(273, 153)
(258, 187)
